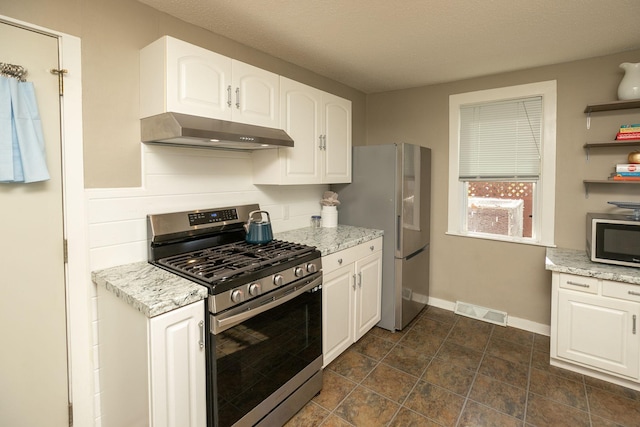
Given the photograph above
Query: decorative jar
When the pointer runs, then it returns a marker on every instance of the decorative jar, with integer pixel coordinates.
(629, 87)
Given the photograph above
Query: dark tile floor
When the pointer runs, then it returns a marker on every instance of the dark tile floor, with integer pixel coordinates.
(448, 370)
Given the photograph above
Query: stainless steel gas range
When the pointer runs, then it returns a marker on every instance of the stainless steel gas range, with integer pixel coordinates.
(264, 359)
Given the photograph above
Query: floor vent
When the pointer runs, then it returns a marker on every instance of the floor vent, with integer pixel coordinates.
(481, 313)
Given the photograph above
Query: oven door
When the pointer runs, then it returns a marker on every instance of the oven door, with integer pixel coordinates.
(262, 352)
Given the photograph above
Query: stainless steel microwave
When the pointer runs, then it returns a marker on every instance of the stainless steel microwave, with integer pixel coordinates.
(613, 239)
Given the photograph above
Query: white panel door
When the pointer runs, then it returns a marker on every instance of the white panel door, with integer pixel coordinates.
(33, 360)
(368, 293)
(301, 119)
(256, 97)
(178, 368)
(198, 81)
(337, 140)
(337, 312)
(599, 332)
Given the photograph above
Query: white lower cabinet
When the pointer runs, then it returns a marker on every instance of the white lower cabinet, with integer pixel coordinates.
(152, 371)
(351, 296)
(595, 325)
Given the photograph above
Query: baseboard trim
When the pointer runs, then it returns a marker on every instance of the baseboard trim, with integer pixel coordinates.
(512, 321)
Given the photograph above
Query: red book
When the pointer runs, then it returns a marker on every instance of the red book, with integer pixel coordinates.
(628, 135)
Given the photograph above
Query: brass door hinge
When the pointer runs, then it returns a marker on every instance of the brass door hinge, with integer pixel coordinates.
(65, 249)
(60, 74)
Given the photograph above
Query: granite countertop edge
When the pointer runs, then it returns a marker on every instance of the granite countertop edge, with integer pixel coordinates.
(149, 289)
(577, 262)
(154, 291)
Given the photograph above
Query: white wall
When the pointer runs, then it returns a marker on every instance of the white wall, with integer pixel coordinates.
(176, 179)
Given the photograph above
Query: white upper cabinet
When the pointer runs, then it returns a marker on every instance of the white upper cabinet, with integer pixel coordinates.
(256, 96)
(180, 77)
(320, 125)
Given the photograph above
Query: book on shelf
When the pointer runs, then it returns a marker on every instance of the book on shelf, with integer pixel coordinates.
(627, 135)
(627, 167)
(629, 128)
(627, 173)
(625, 178)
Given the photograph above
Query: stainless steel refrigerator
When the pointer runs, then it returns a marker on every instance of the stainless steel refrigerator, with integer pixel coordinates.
(391, 190)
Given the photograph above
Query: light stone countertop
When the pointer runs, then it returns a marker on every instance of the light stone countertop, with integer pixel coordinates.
(576, 262)
(330, 240)
(149, 289)
(154, 291)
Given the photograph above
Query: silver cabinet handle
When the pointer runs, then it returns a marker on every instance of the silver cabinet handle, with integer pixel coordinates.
(340, 261)
(634, 293)
(634, 324)
(201, 325)
(354, 282)
(238, 98)
(229, 95)
(360, 279)
(582, 285)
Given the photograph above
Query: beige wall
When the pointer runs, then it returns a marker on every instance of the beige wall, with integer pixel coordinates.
(506, 276)
(112, 33)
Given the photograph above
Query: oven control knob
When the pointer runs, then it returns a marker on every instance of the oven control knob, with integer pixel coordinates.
(299, 272)
(254, 289)
(237, 296)
(278, 280)
(311, 268)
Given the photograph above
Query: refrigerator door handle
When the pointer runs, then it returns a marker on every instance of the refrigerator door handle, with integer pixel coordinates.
(398, 233)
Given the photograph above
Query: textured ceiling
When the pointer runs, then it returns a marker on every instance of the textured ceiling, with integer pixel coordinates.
(381, 45)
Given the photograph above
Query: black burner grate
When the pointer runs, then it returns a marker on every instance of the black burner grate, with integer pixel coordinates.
(221, 263)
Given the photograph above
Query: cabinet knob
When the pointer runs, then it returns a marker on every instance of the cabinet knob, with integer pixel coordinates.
(372, 247)
(340, 261)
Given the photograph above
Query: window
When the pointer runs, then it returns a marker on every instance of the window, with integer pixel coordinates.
(502, 163)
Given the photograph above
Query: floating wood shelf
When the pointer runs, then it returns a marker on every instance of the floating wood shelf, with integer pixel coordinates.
(615, 143)
(588, 182)
(610, 106)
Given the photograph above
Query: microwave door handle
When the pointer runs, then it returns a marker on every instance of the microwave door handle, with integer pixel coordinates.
(220, 325)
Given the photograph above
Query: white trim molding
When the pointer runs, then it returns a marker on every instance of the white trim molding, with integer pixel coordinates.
(544, 205)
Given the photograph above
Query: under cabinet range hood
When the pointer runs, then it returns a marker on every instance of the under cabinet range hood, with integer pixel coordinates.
(186, 130)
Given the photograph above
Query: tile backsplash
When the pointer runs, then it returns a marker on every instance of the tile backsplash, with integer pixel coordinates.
(176, 179)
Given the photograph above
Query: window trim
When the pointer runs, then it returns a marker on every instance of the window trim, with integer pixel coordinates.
(544, 202)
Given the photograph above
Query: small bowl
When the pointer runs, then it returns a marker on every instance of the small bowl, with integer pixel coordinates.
(634, 157)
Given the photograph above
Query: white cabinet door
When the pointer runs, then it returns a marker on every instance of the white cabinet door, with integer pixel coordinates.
(184, 78)
(337, 312)
(320, 125)
(336, 166)
(256, 95)
(177, 368)
(368, 293)
(301, 111)
(599, 332)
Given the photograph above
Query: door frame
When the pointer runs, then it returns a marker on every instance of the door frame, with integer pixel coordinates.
(77, 275)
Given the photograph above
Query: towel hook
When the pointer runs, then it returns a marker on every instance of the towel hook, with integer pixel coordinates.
(15, 71)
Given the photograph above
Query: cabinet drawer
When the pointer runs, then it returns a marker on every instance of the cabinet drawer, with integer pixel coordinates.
(339, 259)
(621, 290)
(579, 283)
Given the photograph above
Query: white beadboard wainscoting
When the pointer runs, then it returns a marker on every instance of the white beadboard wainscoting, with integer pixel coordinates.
(176, 179)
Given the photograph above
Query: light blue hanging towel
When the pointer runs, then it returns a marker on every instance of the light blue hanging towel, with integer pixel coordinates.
(22, 149)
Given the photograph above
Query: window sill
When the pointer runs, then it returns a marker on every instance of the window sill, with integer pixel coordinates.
(498, 238)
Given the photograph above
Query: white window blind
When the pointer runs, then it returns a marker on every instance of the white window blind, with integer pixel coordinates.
(501, 140)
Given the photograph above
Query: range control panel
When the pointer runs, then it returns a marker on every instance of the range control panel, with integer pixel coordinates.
(212, 217)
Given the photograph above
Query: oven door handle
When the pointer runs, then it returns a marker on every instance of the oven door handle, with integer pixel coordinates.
(220, 325)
